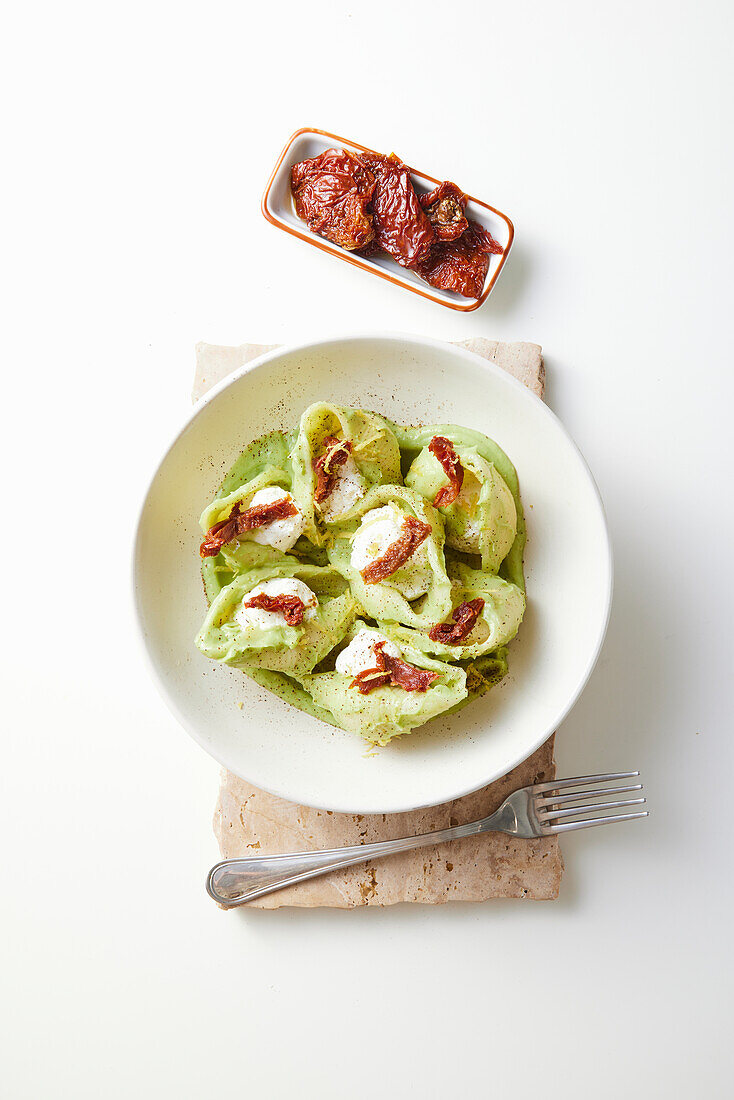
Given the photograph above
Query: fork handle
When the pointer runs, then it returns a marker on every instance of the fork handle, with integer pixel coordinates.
(236, 881)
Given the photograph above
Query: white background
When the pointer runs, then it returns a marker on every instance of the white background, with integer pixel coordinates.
(138, 140)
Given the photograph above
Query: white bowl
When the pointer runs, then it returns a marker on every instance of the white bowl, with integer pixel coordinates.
(568, 569)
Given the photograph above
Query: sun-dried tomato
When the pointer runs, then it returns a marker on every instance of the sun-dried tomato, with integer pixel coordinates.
(393, 671)
(445, 207)
(401, 225)
(332, 193)
(414, 532)
(485, 240)
(408, 676)
(238, 522)
(464, 616)
(336, 453)
(221, 533)
(370, 678)
(371, 250)
(291, 607)
(461, 265)
(443, 449)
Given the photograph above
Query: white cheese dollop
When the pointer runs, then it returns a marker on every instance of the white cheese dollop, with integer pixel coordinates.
(283, 534)
(469, 541)
(380, 528)
(360, 653)
(348, 489)
(254, 619)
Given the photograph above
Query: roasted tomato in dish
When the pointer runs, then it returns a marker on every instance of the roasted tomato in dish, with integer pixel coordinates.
(414, 534)
(443, 449)
(394, 671)
(239, 522)
(336, 453)
(332, 194)
(402, 228)
(445, 207)
(461, 265)
(464, 619)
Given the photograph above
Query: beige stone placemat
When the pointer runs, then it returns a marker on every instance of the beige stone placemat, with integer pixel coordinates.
(248, 820)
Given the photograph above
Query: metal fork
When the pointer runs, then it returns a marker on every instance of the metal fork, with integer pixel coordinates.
(544, 809)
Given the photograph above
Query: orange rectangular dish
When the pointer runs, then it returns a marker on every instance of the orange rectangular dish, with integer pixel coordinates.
(278, 208)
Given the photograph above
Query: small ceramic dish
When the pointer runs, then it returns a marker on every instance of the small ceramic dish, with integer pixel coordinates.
(278, 208)
(257, 736)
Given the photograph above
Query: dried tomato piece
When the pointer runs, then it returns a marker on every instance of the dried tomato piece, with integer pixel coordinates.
(461, 265)
(263, 514)
(331, 194)
(336, 453)
(369, 679)
(485, 240)
(443, 449)
(445, 207)
(401, 225)
(464, 616)
(220, 534)
(393, 671)
(371, 250)
(414, 532)
(406, 676)
(292, 608)
(238, 522)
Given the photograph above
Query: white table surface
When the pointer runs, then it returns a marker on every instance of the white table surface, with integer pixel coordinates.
(140, 139)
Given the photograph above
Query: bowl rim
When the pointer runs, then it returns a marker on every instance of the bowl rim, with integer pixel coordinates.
(394, 337)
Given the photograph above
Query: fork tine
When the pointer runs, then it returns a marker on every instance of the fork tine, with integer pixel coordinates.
(567, 827)
(549, 799)
(560, 784)
(546, 815)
